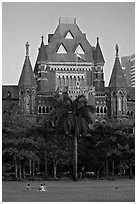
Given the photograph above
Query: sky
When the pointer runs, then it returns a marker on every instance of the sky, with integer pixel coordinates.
(113, 23)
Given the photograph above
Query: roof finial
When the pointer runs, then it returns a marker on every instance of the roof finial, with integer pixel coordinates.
(42, 38)
(97, 39)
(117, 49)
(27, 49)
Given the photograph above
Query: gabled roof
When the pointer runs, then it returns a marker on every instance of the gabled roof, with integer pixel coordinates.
(27, 76)
(98, 56)
(59, 37)
(117, 79)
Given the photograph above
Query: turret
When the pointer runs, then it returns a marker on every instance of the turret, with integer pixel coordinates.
(27, 87)
(40, 68)
(118, 91)
(98, 75)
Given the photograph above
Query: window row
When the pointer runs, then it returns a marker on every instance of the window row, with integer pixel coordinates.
(44, 109)
(101, 109)
(130, 113)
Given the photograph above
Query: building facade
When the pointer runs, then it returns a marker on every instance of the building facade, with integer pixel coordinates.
(68, 63)
(128, 66)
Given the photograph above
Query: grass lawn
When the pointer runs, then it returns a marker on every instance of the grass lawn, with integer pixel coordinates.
(69, 191)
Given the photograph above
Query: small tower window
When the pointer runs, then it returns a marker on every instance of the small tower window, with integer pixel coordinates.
(69, 35)
(61, 49)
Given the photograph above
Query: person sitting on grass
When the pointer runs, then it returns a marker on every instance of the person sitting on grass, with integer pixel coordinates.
(41, 188)
(45, 187)
(28, 188)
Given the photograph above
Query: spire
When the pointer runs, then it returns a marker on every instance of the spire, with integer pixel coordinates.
(117, 77)
(27, 76)
(27, 49)
(42, 56)
(98, 56)
(117, 49)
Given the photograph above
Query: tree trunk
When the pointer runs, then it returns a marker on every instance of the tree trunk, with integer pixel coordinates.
(16, 169)
(130, 171)
(75, 158)
(46, 169)
(55, 169)
(113, 167)
(30, 166)
(107, 171)
(33, 168)
(24, 170)
(20, 174)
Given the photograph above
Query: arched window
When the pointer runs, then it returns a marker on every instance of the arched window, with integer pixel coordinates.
(43, 109)
(131, 113)
(101, 110)
(120, 100)
(119, 104)
(39, 109)
(59, 80)
(32, 103)
(21, 101)
(47, 109)
(97, 109)
(105, 109)
(128, 112)
(21, 93)
(124, 104)
(74, 80)
(63, 80)
(27, 104)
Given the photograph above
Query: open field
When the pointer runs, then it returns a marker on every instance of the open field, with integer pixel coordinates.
(69, 191)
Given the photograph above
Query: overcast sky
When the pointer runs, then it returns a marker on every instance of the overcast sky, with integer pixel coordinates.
(26, 22)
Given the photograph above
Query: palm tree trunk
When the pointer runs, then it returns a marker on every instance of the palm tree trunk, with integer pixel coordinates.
(46, 169)
(75, 158)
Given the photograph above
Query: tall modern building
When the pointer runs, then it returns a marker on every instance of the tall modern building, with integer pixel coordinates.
(128, 66)
(132, 63)
(68, 63)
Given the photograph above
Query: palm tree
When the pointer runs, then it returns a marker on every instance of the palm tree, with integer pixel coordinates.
(73, 118)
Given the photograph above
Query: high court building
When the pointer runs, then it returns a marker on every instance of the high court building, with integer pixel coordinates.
(69, 63)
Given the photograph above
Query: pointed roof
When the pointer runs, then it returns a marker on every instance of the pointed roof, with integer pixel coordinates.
(117, 79)
(42, 56)
(27, 76)
(59, 37)
(98, 56)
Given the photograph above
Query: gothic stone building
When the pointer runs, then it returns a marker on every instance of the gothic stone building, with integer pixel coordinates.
(68, 62)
